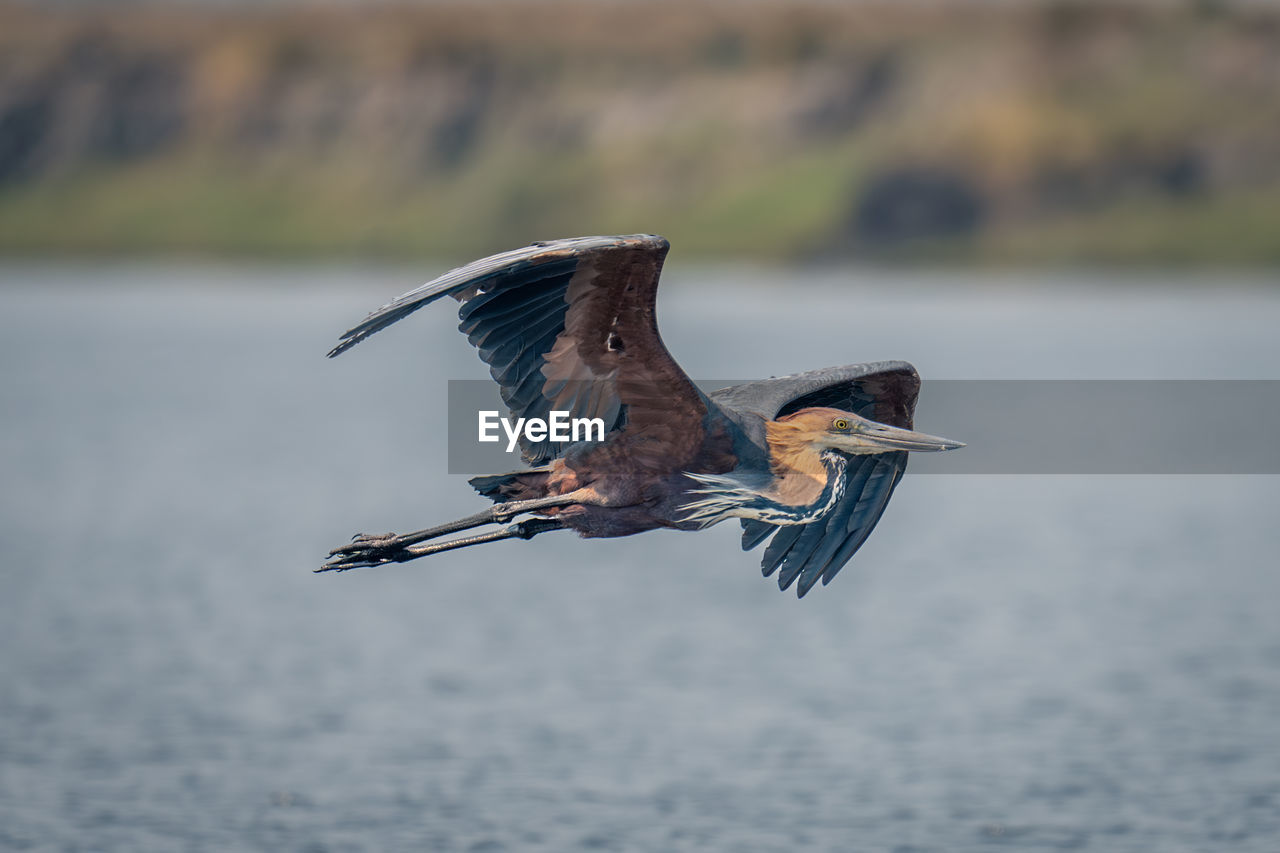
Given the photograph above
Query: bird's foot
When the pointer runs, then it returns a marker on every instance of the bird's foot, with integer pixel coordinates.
(364, 540)
(366, 550)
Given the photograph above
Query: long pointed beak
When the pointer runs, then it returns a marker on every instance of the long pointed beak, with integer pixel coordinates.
(883, 437)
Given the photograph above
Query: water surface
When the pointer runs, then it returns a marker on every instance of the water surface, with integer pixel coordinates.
(1032, 663)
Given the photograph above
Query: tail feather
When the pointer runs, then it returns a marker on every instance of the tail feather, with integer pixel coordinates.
(512, 486)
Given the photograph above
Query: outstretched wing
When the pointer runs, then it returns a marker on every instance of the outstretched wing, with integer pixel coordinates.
(566, 325)
(882, 391)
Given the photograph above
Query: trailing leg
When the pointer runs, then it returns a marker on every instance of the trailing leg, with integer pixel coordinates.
(374, 550)
(526, 529)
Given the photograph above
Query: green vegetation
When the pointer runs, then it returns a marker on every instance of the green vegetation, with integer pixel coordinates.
(1065, 133)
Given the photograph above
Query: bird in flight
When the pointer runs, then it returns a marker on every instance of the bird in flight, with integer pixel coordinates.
(807, 462)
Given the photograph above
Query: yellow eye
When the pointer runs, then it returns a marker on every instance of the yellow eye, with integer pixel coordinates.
(841, 424)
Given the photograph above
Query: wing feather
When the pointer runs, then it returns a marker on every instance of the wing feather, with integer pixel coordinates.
(569, 325)
(780, 547)
(846, 536)
(810, 537)
(754, 532)
(883, 391)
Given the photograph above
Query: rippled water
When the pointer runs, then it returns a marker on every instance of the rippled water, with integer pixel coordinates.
(1017, 662)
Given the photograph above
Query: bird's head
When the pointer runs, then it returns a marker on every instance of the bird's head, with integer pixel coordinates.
(845, 432)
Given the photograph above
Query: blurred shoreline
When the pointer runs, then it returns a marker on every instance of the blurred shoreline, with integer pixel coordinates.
(1059, 134)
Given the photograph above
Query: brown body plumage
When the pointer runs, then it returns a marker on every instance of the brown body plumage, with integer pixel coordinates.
(569, 326)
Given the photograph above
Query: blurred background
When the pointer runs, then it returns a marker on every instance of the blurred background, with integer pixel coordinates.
(976, 132)
(197, 197)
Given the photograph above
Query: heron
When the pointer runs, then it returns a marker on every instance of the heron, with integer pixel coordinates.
(807, 461)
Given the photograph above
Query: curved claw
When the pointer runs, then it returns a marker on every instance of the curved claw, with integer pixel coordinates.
(371, 536)
(365, 542)
(366, 559)
(353, 562)
(365, 551)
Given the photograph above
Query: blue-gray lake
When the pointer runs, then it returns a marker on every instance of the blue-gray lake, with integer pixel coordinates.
(1016, 662)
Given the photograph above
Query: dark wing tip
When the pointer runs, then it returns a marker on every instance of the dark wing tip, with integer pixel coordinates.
(654, 243)
(344, 346)
(649, 241)
(660, 243)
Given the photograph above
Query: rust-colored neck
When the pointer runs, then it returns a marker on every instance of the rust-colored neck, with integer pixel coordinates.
(798, 470)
